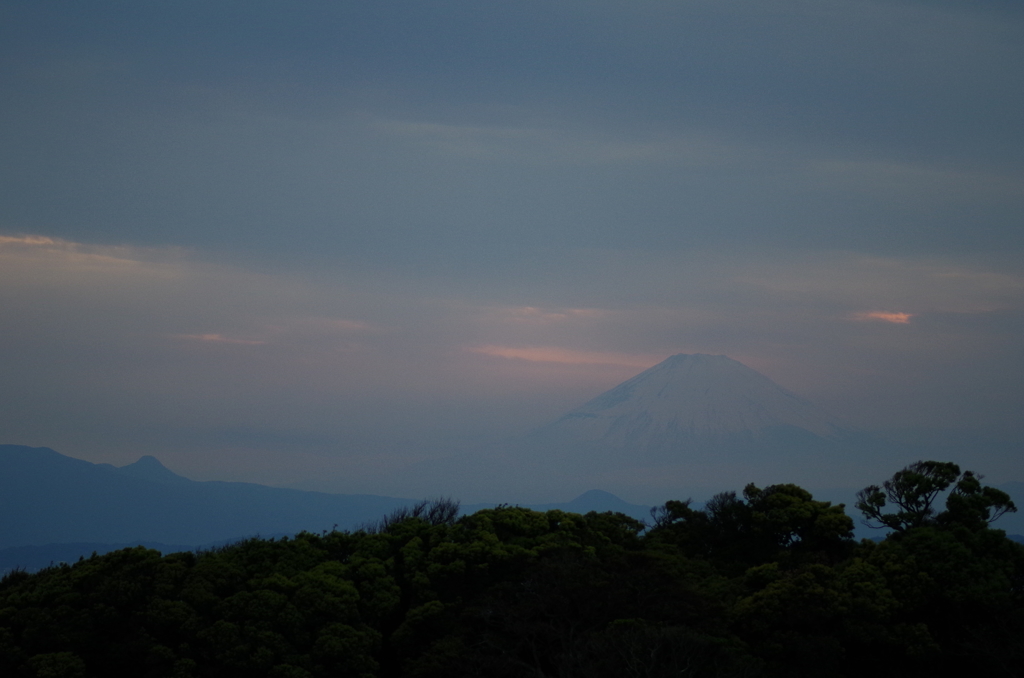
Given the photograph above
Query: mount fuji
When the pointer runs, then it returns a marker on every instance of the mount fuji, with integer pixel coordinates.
(691, 401)
(691, 425)
(692, 420)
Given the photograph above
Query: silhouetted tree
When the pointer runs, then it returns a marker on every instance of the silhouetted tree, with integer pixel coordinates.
(914, 489)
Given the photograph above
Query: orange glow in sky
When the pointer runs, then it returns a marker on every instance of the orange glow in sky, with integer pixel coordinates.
(898, 318)
(26, 240)
(219, 339)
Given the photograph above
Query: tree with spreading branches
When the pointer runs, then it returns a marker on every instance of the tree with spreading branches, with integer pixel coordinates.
(914, 489)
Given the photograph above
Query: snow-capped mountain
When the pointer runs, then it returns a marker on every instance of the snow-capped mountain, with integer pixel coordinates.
(688, 403)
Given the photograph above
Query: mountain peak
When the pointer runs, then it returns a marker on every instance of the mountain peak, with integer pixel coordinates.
(595, 495)
(148, 461)
(691, 399)
(697, 357)
(699, 360)
(149, 468)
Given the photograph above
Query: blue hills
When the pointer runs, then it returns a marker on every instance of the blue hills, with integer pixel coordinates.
(55, 508)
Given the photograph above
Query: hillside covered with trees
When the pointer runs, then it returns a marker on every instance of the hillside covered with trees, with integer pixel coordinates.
(768, 583)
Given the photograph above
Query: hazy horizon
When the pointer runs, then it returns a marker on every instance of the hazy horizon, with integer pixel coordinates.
(317, 244)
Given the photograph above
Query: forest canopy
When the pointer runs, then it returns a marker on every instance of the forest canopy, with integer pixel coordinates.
(767, 583)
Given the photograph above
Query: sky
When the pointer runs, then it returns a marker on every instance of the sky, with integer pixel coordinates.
(315, 243)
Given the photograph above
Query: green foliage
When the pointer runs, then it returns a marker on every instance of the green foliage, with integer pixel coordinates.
(769, 583)
(779, 522)
(960, 585)
(57, 665)
(973, 505)
(914, 489)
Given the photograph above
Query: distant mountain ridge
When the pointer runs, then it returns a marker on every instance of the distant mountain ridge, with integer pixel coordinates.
(46, 497)
(149, 468)
(54, 507)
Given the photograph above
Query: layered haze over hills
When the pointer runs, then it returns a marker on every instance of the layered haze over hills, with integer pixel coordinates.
(56, 508)
(691, 426)
(693, 423)
(401, 249)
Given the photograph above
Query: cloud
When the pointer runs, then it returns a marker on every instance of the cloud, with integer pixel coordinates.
(565, 142)
(533, 314)
(26, 240)
(220, 339)
(552, 354)
(927, 181)
(335, 363)
(936, 283)
(32, 257)
(351, 246)
(897, 318)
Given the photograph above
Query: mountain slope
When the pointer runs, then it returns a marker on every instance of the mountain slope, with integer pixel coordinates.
(688, 402)
(56, 508)
(149, 468)
(694, 422)
(46, 497)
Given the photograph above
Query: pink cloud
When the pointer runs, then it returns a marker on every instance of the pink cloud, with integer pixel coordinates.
(219, 339)
(885, 316)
